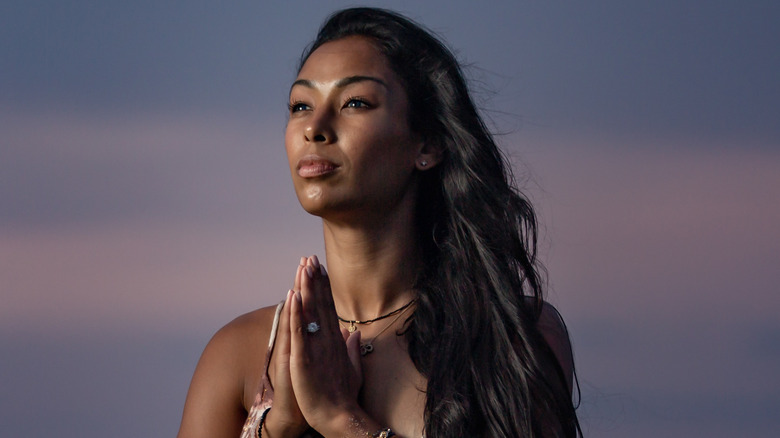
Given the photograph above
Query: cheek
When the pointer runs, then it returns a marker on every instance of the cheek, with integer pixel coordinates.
(289, 145)
(387, 161)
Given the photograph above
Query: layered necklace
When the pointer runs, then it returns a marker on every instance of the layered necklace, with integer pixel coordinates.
(367, 347)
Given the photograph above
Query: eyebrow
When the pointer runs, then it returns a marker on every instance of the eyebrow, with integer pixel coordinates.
(341, 83)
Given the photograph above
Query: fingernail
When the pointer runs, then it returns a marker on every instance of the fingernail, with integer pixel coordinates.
(310, 271)
(323, 271)
(303, 261)
(316, 261)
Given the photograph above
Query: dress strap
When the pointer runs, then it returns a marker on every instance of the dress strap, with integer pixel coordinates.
(266, 382)
(274, 328)
(265, 392)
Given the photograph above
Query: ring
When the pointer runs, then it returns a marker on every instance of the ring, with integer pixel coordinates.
(313, 327)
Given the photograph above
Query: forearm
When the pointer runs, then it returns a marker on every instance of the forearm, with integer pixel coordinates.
(354, 423)
(349, 424)
(273, 426)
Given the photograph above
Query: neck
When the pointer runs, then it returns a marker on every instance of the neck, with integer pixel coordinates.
(372, 265)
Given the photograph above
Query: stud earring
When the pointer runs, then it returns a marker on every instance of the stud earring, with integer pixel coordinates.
(423, 163)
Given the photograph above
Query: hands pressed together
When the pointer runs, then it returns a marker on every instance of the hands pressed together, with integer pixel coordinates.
(318, 373)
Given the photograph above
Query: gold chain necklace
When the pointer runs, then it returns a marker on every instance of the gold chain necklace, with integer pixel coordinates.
(368, 346)
(353, 322)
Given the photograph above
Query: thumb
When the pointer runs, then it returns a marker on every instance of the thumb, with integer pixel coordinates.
(353, 351)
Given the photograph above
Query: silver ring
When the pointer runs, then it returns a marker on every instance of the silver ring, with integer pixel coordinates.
(313, 327)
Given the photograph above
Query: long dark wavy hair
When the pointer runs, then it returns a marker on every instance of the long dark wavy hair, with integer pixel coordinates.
(473, 334)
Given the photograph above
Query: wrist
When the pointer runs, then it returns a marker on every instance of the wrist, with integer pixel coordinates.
(275, 427)
(351, 423)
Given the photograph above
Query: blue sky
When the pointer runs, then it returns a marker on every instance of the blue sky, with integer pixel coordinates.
(145, 199)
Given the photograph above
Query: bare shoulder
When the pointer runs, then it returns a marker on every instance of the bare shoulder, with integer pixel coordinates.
(230, 365)
(554, 331)
(236, 347)
(243, 331)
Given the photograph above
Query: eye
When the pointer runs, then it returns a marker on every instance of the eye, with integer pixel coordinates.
(297, 106)
(356, 102)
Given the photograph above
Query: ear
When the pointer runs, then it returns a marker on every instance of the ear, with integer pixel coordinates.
(428, 156)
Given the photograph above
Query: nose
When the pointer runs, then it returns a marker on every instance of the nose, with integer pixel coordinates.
(319, 128)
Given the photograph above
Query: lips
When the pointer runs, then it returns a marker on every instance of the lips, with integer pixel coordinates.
(314, 166)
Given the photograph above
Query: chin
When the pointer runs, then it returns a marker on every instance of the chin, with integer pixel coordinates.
(315, 206)
(314, 210)
(329, 210)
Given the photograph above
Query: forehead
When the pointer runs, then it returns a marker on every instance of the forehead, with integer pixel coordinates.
(350, 56)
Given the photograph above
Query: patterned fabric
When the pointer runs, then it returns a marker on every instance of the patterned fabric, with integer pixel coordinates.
(252, 424)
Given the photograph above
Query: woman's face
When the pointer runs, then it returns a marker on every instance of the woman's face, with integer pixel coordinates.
(348, 139)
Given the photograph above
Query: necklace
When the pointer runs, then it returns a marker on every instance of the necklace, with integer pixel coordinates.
(368, 346)
(353, 322)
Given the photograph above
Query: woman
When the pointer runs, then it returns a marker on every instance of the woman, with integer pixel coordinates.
(429, 320)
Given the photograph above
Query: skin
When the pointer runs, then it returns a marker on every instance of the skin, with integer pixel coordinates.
(355, 163)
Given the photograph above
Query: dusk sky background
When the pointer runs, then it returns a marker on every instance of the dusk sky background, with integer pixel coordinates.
(145, 198)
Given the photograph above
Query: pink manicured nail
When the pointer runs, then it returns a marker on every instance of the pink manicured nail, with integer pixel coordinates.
(315, 261)
(303, 261)
(323, 271)
(310, 271)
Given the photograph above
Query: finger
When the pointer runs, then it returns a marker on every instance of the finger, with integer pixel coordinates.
(353, 351)
(317, 300)
(298, 273)
(315, 261)
(320, 282)
(306, 294)
(281, 352)
(283, 331)
(324, 293)
(297, 328)
(284, 399)
(324, 271)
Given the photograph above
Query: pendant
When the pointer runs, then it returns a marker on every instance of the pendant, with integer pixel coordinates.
(352, 327)
(366, 348)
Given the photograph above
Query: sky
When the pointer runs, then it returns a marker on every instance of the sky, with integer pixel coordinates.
(145, 199)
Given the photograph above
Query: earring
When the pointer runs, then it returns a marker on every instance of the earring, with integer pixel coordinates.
(423, 163)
